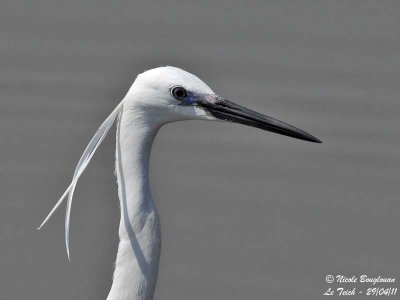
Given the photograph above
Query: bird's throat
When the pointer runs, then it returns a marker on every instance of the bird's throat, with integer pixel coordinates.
(137, 261)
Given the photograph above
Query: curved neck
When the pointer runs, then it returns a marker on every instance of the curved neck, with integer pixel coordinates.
(137, 261)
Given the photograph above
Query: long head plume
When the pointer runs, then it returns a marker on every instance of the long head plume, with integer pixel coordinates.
(87, 155)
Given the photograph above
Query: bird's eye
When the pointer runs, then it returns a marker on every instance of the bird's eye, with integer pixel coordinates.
(178, 92)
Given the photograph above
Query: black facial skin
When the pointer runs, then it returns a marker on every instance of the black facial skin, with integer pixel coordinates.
(231, 112)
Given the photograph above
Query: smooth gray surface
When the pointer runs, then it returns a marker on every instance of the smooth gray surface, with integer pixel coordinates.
(246, 214)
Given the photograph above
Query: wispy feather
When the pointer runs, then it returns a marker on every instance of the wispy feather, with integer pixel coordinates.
(87, 155)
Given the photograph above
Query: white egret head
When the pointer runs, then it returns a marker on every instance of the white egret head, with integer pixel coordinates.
(169, 94)
(162, 93)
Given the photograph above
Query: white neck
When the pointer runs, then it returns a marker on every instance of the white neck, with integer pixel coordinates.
(138, 255)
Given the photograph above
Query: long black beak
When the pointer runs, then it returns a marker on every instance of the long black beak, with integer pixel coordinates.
(229, 111)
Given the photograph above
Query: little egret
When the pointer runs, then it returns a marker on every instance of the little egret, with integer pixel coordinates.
(157, 97)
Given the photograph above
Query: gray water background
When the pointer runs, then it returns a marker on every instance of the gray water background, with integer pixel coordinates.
(246, 214)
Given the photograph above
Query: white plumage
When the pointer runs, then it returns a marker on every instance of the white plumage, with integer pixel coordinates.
(157, 97)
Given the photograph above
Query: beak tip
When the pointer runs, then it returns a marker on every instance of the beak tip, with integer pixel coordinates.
(317, 141)
(313, 139)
